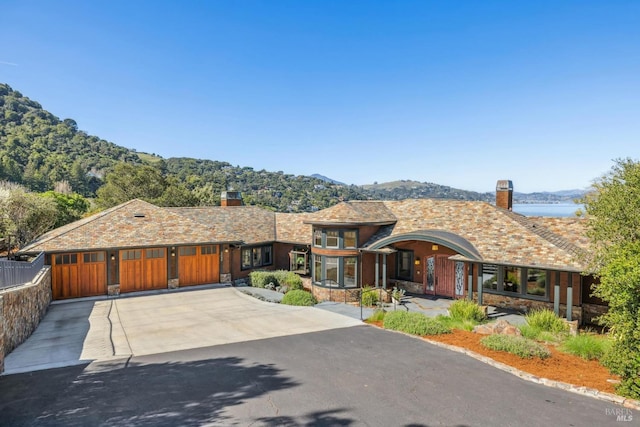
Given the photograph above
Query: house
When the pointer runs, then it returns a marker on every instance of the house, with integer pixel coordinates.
(456, 249)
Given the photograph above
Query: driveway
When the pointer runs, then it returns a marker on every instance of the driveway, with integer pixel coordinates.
(79, 332)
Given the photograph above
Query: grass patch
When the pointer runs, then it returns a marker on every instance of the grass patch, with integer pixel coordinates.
(464, 325)
(587, 345)
(299, 297)
(377, 316)
(535, 333)
(464, 309)
(414, 323)
(546, 320)
(520, 346)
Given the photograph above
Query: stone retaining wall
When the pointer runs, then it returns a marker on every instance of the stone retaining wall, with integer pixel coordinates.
(21, 310)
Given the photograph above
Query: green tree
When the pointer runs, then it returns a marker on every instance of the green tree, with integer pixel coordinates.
(128, 181)
(24, 215)
(70, 207)
(613, 209)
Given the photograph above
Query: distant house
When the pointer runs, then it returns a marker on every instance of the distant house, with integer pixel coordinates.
(456, 249)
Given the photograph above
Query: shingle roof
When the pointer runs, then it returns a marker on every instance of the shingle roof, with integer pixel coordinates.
(248, 224)
(138, 224)
(499, 235)
(292, 228)
(354, 212)
(489, 233)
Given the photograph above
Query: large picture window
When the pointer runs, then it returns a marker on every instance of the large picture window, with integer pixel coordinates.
(531, 283)
(335, 271)
(256, 256)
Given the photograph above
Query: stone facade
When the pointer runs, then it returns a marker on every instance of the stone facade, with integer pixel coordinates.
(525, 305)
(113, 290)
(173, 283)
(21, 310)
(225, 278)
(591, 311)
(411, 287)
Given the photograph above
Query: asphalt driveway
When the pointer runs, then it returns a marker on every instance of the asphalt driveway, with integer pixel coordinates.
(80, 332)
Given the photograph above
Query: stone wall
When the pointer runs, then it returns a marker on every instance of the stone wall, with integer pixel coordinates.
(21, 310)
(591, 311)
(411, 287)
(525, 305)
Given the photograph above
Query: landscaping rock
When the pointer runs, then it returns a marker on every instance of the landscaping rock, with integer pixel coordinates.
(500, 327)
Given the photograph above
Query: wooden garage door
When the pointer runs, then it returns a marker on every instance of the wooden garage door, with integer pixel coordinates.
(143, 269)
(198, 265)
(79, 275)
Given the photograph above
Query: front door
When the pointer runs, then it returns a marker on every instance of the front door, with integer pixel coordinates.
(443, 277)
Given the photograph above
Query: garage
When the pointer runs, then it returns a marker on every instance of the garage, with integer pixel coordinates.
(79, 275)
(143, 269)
(198, 265)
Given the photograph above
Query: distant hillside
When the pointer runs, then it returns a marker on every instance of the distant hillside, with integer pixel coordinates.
(563, 196)
(37, 149)
(327, 179)
(405, 189)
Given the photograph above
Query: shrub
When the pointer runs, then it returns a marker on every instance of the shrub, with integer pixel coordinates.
(586, 345)
(377, 316)
(286, 280)
(464, 325)
(546, 320)
(536, 333)
(414, 323)
(298, 297)
(463, 309)
(520, 346)
(260, 279)
(369, 296)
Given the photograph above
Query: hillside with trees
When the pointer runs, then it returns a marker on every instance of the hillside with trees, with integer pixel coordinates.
(43, 153)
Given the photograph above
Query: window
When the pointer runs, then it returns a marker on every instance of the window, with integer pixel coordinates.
(335, 271)
(405, 265)
(317, 268)
(335, 239)
(512, 278)
(529, 283)
(67, 259)
(256, 256)
(154, 253)
(350, 241)
(490, 277)
(332, 239)
(187, 251)
(131, 255)
(93, 257)
(331, 270)
(266, 255)
(350, 264)
(536, 282)
(207, 249)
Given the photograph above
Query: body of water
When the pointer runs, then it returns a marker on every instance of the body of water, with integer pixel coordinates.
(547, 209)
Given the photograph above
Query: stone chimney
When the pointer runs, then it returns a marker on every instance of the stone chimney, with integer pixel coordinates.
(231, 198)
(504, 194)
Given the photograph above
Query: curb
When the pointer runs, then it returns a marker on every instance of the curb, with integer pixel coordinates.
(584, 391)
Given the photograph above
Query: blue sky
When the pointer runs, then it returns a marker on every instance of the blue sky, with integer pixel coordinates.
(460, 93)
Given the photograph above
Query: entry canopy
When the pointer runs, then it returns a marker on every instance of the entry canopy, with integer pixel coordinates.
(439, 237)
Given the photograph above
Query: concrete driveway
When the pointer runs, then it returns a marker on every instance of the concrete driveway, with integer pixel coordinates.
(80, 332)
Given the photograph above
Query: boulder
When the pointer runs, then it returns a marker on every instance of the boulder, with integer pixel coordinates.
(500, 327)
